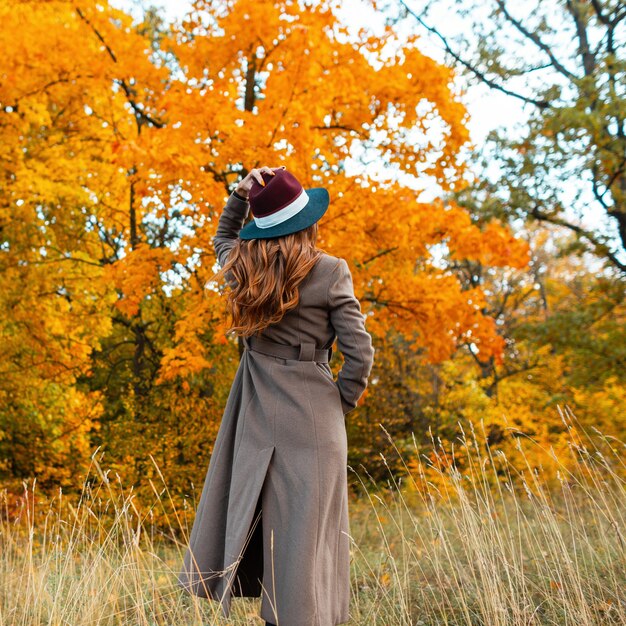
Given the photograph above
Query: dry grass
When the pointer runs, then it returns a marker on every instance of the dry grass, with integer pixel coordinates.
(480, 546)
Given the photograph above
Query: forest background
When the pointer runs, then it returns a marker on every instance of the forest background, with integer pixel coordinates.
(492, 302)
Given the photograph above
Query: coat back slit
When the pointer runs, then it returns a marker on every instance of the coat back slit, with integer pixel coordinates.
(249, 573)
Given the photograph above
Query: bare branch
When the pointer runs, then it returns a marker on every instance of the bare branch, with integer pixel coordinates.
(137, 110)
(379, 254)
(541, 104)
(601, 247)
(595, 184)
(589, 60)
(536, 40)
(597, 7)
(140, 114)
(97, 33)
(250, 96)
(348, 129)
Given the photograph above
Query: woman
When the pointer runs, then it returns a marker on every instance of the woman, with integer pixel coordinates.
(272, 518)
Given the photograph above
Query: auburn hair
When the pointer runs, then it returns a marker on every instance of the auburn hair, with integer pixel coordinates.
(265, 275)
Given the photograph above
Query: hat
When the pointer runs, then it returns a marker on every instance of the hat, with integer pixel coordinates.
(282, 206)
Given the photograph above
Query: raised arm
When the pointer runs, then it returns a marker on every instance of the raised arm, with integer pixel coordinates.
(230, 222)
(353, 339)
(234, 215)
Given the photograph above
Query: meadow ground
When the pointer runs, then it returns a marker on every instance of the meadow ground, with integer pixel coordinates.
(486, 544)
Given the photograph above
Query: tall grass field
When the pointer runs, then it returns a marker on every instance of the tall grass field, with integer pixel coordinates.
(480, 542)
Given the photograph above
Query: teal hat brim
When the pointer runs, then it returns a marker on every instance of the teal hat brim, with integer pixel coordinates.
(319, 199)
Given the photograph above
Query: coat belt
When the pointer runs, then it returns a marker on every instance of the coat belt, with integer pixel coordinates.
(302, 352)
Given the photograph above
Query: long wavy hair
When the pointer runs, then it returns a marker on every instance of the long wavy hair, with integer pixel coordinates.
(264, 279)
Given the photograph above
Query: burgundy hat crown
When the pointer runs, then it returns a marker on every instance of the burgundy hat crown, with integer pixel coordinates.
(282, 197)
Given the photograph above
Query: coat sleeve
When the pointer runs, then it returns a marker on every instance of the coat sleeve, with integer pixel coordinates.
(230, 222)
(353, 340)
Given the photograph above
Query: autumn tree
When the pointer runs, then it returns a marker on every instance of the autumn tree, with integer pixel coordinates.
(120, 149)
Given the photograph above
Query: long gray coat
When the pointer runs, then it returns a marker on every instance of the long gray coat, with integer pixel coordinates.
(281, 451)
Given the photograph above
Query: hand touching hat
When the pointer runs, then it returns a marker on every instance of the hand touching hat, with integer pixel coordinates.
(280, 205)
